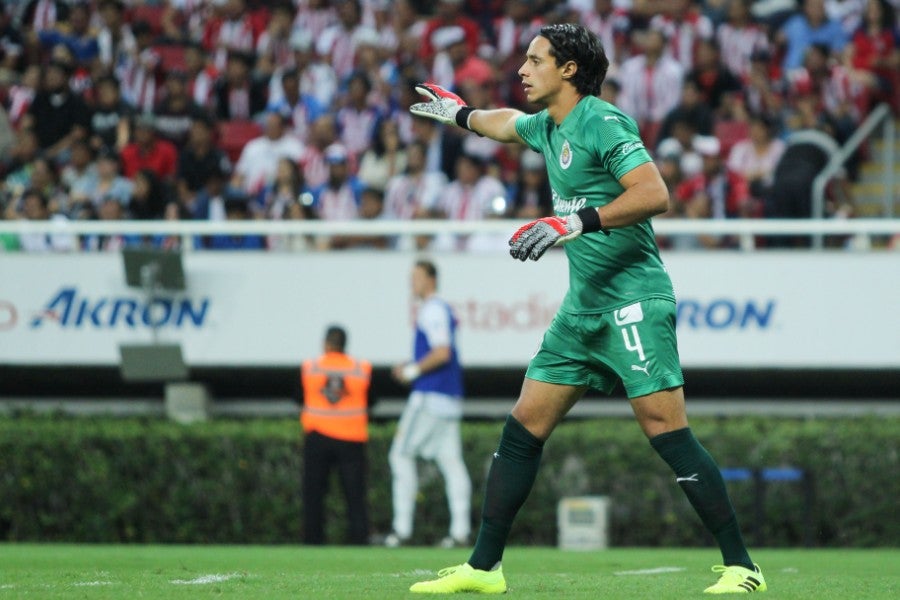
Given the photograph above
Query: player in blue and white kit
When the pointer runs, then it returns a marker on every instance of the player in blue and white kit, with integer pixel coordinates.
(429, 426)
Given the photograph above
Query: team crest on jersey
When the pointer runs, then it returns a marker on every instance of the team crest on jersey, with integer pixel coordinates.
(565, 155)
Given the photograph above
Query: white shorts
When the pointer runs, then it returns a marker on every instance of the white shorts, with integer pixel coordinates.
(424, 432)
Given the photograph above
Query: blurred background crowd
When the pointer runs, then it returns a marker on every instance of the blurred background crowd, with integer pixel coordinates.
(298, 109)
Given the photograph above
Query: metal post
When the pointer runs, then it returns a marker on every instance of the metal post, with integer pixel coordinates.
(149, 282)
(890, 141)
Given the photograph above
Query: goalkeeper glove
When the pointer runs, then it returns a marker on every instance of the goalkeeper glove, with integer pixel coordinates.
(443, 106)
(535, 238)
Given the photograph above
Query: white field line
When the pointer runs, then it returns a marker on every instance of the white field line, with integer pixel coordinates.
(91, 583)
(654, 571)
(418, 573)
(205, 579)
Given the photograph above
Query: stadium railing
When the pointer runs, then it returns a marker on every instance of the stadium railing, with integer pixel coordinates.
(880, 115)
(746, 230)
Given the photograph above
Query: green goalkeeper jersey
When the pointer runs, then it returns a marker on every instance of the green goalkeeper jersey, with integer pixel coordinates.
(586, 155)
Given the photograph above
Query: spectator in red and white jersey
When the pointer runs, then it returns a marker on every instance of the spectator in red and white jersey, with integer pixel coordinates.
(21, 94)
(337, 44)
(453, 63)
(186, 20)
(314, 17)
(839, 94)
(651, 84)
(258, 162)
(471, 194)
(415, 192)
(137, 71)
(237, 95)
(356, 120)
(273, 48)
(39, 15)
(448, 13)
(322, 133)
(684, 26)
(514, 30)
(317, 77)
(231, 29)
(202, 74)
(407, 29)
(763, 91)
(377, 63)
(739, 37)
(115, 38)
(612, 25)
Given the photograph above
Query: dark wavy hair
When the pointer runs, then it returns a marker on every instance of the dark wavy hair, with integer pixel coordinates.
(573, 42)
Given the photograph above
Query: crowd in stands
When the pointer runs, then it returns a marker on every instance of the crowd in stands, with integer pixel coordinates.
(298, 109)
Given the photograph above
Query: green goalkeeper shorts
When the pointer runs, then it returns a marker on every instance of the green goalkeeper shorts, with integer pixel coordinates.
(635, 344)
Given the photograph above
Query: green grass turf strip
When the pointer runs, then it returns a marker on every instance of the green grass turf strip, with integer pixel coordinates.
(171, 572)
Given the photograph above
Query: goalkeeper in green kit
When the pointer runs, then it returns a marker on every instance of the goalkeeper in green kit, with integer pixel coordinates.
(617, 321)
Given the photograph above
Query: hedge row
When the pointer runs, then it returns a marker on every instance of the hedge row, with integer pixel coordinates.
(130, 480)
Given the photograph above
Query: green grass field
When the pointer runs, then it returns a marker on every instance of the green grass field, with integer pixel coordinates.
(85, 571)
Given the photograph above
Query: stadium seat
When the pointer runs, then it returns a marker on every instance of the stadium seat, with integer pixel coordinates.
(730, 133)
(233, 135)
(171, 57)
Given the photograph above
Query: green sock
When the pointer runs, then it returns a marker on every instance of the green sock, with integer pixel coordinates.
(699, 476)
(509, 481)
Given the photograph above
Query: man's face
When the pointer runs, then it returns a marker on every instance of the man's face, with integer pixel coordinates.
(55, 79)
(422, 284)
(33, 208)
(541, 77)
(110, 210)
(274, 127)
(199, 133)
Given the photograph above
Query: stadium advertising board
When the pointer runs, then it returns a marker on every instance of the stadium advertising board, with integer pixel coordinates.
(268, 309)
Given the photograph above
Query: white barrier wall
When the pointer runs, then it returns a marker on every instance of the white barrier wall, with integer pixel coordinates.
(268, 309)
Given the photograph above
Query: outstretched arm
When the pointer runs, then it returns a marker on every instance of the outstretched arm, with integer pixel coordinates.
(448, 108)
(645, 196)
(498, 124)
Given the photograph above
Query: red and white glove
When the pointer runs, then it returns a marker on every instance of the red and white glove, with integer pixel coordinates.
(533, 239)
(443, 106)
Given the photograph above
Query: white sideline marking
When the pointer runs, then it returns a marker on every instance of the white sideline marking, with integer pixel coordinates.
(654, 571)
(417, 573)
(7, 586)
(790, 570)
(91, 583)
(204, 579)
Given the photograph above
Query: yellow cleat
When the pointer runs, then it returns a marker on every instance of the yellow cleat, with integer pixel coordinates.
(737, 580)
(463, 578)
